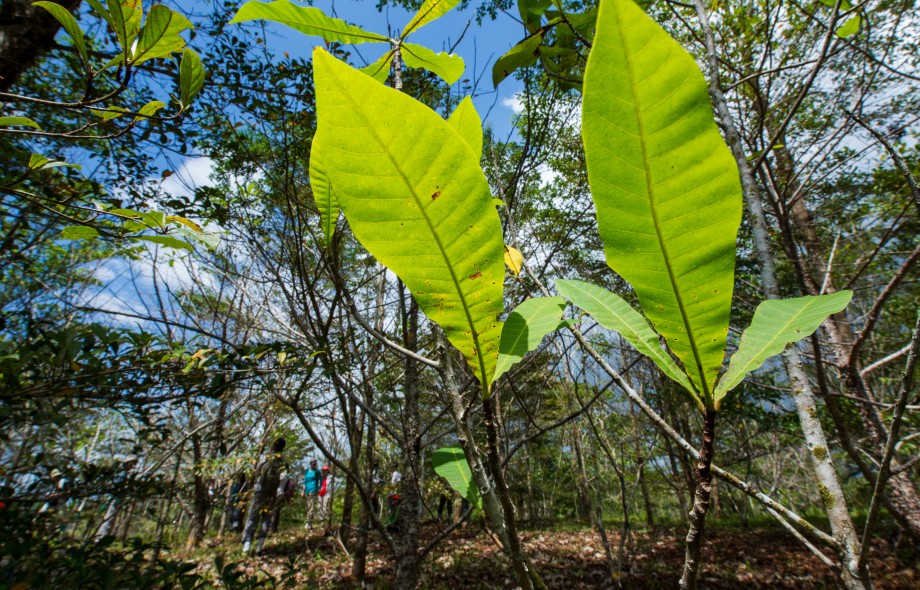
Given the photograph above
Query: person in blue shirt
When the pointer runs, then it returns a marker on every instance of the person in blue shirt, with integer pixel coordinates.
(312, 483)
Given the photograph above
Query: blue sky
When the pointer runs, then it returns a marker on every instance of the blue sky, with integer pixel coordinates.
(479, 47)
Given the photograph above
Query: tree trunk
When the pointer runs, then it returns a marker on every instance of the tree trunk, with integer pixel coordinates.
(200, 502)
(407, 539)
(900, 495)
(26, 33)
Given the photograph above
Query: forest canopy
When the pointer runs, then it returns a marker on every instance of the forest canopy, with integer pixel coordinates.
(447, 294)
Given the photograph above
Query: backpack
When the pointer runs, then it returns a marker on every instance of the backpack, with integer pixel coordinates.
(289, 488)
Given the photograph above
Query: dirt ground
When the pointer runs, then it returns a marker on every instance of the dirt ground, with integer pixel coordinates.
(570, 560)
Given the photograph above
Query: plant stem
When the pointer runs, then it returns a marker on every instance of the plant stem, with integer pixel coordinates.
(700, 504)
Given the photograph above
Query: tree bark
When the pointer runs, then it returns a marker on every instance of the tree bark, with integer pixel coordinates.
(900, 496)
(26, 34)
(688, 580)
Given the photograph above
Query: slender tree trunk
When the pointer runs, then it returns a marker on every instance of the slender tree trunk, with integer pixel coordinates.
(163, 515)
(643, 483)
(493, 506)
(407, 539)
(200, 502)
(688, 580)
(359, 562)
(107, 528)
(900, 495)
(348, 500)
(583, 499)
(515, 548)
(676, 471)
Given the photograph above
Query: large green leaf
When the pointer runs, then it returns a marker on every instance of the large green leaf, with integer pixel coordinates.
(414, 195)
(612, 312)
(447, 66)
(775, 324)
(525, 328)
(526, 53)
(465, 120)
(70, 25)
(323, 194)
(451, 464)
(665, 185)
(310, 21)
(429, 10)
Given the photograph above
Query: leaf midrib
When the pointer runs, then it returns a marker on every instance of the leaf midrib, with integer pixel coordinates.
(651, 193)
(419, 203)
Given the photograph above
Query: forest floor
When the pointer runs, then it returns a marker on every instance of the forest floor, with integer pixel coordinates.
(733, 558)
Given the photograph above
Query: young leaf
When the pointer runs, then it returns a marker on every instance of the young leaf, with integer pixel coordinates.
(521, 55)
(109, 113)
(211, 241)
(160, 35)
(79, 232)
(70, 25)
(380, 69)
(38, 162)
(665, 186)
(168, 241)
(450, 463)
(19, 122)
(532, 12)
(149, 109)
(415, 197)
(775, 324)
(126, 20)
(610, 311)
(465, 121)
(447, 66)
(310, 21)
(849, 28)
(429, 10)
(191, 77)
(525, 328)
(322, 192)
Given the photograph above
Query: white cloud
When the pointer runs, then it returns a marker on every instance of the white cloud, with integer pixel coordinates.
(514, 103)
(193, 173)
(547, 174)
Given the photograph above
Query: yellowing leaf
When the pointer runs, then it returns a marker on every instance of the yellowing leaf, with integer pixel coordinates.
(514, 260)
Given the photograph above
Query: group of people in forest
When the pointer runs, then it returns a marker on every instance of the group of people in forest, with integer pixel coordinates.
(272, 488)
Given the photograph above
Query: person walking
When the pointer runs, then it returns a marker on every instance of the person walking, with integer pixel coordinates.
(286, 489)
(264, 496)
(323, 494)
(312, 482)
